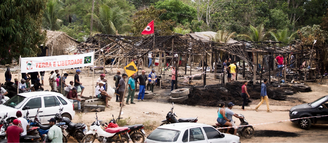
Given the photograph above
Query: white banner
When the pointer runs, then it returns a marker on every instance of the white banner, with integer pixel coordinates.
(50, 63)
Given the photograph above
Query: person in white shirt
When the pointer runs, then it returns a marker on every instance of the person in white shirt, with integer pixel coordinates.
(69, 87)
(3, 92)
(101, 93)
(150, 57)
(24, 124)
(22, 86)
(53, 80)
(102, 79)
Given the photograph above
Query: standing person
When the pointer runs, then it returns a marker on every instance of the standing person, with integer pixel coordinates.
(243, 94)
(131, 89)
(152, 80)
(55, 134)
(117, 79)
(51, 78)
(141, 79)
(121, 88)
(233, 72)
(24, 76)
(229, 115)
(103, 79)
(228, 70)
(280, 62)
(224, 65)
(150, 58)
(292, 60)
(57, 82)
(13, 132)
(24, 124)
(77, 82)
(264, 96)
(173, 78)
(62, 83)
(34, 77)
(102, 94)
(73, 95)
(42, 76)
(8, 75)
(3, 92)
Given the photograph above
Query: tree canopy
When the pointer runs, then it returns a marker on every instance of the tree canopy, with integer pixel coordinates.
(20, 28)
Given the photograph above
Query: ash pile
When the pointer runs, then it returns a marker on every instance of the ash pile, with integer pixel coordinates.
(212, 95)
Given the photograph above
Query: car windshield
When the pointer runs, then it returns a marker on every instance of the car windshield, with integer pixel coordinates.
(318, 102)
(14, 101)
(164, 135)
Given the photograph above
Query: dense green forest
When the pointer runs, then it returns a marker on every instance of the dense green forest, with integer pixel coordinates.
(254, 20)
(129, 17)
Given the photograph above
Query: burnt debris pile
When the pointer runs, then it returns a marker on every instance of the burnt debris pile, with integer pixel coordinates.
(212, 95)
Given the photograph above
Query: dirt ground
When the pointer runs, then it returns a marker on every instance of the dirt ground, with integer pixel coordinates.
(278, 129)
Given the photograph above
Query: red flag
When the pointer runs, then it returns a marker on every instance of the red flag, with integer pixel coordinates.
(149, 29)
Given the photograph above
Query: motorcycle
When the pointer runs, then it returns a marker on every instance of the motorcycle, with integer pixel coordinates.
(170, 118)
(119, 134)
(3, 127)
(136, 132)
(244, 130)
(76, 130)
(42, 130)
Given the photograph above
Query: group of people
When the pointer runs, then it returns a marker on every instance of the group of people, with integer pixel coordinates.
(18, 130)
(231, 69)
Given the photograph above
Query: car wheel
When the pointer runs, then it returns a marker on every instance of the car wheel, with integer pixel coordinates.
(67, 116)
(304, 123)
(248, 132)
(137, 137)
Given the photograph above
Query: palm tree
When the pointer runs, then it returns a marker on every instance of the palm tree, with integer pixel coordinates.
(283, 36)
(223, 36)
(255, 34)
(110, 20)
(51, 13)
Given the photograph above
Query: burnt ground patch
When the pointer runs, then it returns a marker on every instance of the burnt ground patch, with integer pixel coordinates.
(272, 133)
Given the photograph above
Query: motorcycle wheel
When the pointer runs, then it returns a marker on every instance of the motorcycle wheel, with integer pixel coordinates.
(88, 139)
(248, 132)
(137, 137)
(64, 139)
(123, 139)
(79, 136)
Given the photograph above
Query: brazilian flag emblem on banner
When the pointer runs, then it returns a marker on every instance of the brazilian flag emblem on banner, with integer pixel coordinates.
(87, 60)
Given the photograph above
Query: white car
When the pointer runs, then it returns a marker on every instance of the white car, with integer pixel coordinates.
(48, 104)
(189, 132)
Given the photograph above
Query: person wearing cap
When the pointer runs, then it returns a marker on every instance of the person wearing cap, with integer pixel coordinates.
(77, 82)
(101, 93)
(73, 95)
(117, 79)
(24, 124)
(229, 115)
(55, 134)
(141, 79)
(62, 84)
(152, 80)
(233, 71)
(131, 89)
(13, 132)
(121, 88)
(103, 79)
(22, 86)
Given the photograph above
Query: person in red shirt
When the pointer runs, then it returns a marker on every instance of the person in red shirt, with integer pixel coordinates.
(280, 62)
(13, 132)
(73, 95)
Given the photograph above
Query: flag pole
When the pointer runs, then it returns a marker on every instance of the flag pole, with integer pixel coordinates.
(19, 73)
(153, 50)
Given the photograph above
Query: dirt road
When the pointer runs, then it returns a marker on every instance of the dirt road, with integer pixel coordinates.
(152, 113)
